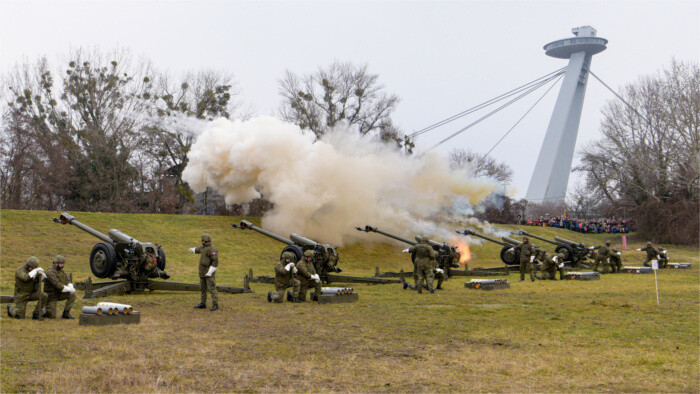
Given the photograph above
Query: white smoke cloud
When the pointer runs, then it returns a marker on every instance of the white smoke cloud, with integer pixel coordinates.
(323, 188)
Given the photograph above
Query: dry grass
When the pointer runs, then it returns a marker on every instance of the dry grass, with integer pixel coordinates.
(544, 336)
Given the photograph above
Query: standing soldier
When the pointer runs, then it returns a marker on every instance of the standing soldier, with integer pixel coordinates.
(602, 256)
(527, 256)
(28, 288)
(652, 254)
(58, 287)
(284, 277)
(208, 264)
(425, 264)
(615, 261)
(308, 277)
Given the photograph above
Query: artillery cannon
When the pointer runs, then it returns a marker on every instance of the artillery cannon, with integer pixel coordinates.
(325, 258)
(508, 255)
(448, 255)
(325, 255)
(573, 252)
(121, 256)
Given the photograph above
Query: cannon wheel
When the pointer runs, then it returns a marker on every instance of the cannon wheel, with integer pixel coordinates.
(510, 258)
(567, 251)
(295, 250)
(161, 259)
(103, 260)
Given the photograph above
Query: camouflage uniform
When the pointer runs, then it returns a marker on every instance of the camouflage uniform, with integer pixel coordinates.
(56, 280)
(602, 257)
(425, 264)
(209, 258)
(615, 261)
(652, 254)
(306, 271)
(550, 266)
(27, 289)
(526, 251)
(284, 278)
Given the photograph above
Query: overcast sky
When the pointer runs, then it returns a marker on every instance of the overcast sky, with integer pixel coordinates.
(440, 58)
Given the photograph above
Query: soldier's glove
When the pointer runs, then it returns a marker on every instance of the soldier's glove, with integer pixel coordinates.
(439, 271)
(619, 253)
(72, 287)
(639, 250)
(191, 250)
(294, 269)
(211, 271)
(67, 289)
(33, 273)
(532, 259)
(316, 278)
(404, 251)
(289, 267)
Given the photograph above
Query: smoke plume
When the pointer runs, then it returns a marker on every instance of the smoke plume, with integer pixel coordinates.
(322, 189)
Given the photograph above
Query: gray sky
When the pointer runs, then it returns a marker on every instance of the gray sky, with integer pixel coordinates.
(440, 58)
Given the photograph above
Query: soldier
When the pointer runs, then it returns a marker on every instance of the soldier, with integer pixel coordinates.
(284, 277)
(652, 253)
(28, 288)
(550, 265)
(602, 257)
(58, 287)
(615, 261)
(527, 256)
(308, 277)
(425, 265)
(208, 264)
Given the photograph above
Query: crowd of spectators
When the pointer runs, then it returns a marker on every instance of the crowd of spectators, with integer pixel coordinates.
(594, 226)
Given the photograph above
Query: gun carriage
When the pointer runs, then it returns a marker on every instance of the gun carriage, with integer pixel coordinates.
(573, 252)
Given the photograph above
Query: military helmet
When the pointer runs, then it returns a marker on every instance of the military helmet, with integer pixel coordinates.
(206, 238)
(649, 244)
(526, 239)
(309, 253)
(560, 255)
(287, 256)
(33, 262)
(607, 243)
(59, 259)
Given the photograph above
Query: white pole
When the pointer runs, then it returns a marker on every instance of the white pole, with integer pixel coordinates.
(655, 267)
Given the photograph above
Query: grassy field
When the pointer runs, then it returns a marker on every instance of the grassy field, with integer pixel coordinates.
(573, 336)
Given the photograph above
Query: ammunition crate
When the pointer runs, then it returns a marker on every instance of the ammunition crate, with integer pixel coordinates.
(678, 265)
(581, 276)
(487, 284)
(86, 319)
(637, 270)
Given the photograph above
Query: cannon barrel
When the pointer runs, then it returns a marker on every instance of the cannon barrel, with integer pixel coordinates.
(566, 241)
(246, 224)
(67, 218)
(511, 241)
(369, 228)
(521, 232)
(299, 240)
(470, 232)
(431, 242)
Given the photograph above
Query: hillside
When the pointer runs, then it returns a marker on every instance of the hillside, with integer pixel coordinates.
(542, 336)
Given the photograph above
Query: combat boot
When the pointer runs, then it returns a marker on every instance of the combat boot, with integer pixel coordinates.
(201, 305)
(163, 274)
(37, 316)
(405, 286)
(214, 307)
(9, 310)
(420, 291)
(432, 291)
(67, 315)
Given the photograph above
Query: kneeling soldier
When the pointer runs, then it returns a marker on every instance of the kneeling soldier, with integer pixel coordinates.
(28, 288)
(284, 277)
(308, 277)
(615, 261)
(57, 287)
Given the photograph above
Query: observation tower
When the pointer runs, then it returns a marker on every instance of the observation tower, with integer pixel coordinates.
(551, 175)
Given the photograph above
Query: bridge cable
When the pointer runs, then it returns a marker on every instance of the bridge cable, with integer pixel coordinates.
(523, 117)
(620, 97)
(484, 104)
(532, 89)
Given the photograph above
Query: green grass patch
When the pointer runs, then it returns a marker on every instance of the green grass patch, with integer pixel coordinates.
(544, 336)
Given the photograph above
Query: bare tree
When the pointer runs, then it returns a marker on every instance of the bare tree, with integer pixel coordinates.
(339, 92)
(648, 155)
(481, 165)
